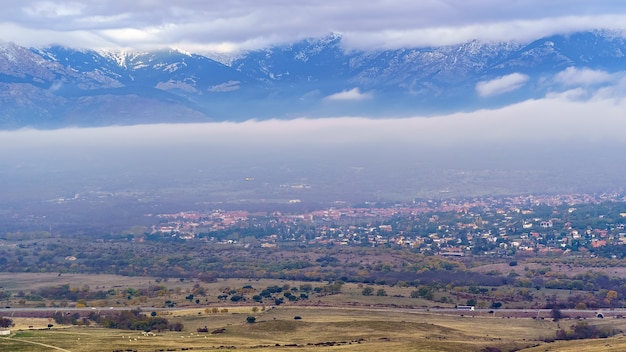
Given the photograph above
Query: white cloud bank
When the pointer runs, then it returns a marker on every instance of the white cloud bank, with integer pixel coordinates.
(553, 120)
(501, 84)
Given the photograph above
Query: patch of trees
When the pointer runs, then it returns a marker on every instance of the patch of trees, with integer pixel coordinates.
(128, 320)
(65, 292)
(457, 278)
(610, 251)
(584, 330)
(326, 260)
(206, 263)
(67, 319)
(423, 292)
(276, 294)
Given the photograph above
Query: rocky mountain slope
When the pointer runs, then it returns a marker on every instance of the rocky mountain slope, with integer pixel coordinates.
(55, 86)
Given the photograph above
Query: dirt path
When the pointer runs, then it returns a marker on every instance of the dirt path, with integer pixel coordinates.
(40, 344)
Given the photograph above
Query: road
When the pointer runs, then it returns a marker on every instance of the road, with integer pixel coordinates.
(545, 313)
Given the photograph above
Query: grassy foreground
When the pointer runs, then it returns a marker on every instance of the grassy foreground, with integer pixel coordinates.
(335, 322)
(319, 329)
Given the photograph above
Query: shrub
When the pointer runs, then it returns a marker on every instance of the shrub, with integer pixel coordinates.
(583, 330)
(5, 322)
(237, 298)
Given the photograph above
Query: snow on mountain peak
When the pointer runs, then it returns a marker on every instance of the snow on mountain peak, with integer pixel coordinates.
(274, 80)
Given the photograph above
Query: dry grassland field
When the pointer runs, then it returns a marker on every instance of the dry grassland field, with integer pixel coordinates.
(347, 321)
(320, 329)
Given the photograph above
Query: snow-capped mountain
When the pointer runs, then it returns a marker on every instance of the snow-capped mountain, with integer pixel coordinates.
(56, 86)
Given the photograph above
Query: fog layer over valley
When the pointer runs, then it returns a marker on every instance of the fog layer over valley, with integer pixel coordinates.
(116, 174)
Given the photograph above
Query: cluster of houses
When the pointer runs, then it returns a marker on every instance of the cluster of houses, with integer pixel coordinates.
(532, 224)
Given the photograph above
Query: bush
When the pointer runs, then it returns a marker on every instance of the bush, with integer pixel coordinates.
(237, 298)
(556, 314)
(251, 320)
(5, 322)
(583, 330)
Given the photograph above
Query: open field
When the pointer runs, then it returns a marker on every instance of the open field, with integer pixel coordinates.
(347, 321)
(31, 281)
(177, 290)
(318, 329)
(33, 323)
(617, 344)
(330, 328)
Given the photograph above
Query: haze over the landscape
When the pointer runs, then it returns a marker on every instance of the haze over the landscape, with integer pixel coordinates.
(550, 145)
(564, 137)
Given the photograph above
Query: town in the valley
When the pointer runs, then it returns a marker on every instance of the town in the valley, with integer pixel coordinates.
(580, 224)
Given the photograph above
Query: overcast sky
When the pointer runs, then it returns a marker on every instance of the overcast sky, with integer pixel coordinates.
(209, 25)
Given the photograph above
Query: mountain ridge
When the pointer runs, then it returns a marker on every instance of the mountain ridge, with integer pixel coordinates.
(54, 86)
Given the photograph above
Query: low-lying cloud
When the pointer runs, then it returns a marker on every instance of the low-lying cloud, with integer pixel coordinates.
(353, 94)
(225, 87)
(501, 85)
(573, 76)
(559, 118)
(561, 143)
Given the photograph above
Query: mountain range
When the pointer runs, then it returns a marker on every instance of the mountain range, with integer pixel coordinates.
(54, 86)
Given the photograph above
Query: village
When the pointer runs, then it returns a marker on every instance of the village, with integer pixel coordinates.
(533, 225)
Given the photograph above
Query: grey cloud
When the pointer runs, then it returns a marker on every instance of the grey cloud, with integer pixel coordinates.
(225, 87)
(244, 24)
